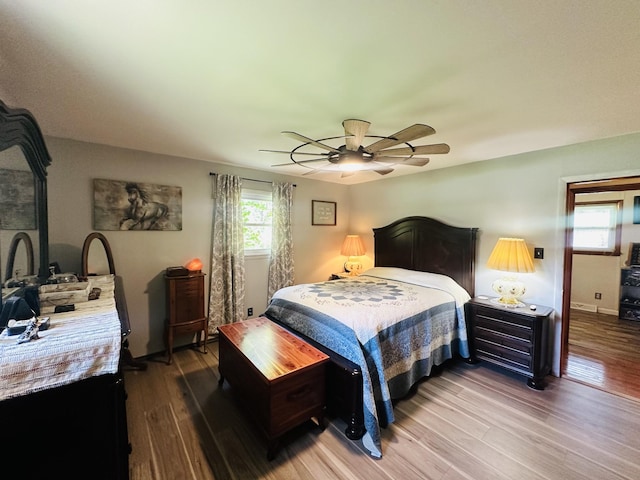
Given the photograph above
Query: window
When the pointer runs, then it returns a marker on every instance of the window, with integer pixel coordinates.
(256, 217)
(597, 228)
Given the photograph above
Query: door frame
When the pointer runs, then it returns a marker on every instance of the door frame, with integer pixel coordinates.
(608, 185)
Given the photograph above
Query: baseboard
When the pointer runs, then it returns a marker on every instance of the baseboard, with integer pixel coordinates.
(585, 307)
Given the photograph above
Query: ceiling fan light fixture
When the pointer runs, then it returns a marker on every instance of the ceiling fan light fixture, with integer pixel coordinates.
(353, 156)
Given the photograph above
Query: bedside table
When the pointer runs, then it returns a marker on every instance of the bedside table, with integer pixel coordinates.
(514, 338)
(339, 275)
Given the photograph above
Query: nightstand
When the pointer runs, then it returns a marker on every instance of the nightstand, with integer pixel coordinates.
(514, 338)
(339, 275)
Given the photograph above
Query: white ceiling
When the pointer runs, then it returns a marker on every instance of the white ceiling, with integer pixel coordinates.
(219, 80)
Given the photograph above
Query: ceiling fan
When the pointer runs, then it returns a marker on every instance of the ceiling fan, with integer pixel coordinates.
(353, 157)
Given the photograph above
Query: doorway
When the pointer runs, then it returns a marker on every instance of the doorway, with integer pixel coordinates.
(602, 352)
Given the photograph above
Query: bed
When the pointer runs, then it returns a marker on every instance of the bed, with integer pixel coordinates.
(387, 328)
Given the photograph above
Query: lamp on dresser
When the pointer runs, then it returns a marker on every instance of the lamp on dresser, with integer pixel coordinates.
(510, 255)
(353, 247)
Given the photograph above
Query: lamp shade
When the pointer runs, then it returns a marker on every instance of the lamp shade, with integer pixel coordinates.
(511, 255)
(352, 246)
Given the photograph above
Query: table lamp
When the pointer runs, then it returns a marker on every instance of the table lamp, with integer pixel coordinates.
(510, 255)
(352, 247)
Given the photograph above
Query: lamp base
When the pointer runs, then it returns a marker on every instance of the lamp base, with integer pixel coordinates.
(508, 289)
(509, 302)
(353, 267)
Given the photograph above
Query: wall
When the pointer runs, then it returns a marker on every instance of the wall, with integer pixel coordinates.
(142, 256)
(521, 196)
(601, 273)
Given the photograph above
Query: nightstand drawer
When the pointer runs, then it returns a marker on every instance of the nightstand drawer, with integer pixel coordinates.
(510, 341)
(516, 358)
(506, 327)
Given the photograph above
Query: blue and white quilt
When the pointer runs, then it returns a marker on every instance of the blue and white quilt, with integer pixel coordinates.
(396, 324)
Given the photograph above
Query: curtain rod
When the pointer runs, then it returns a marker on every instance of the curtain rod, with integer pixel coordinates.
(250, 179)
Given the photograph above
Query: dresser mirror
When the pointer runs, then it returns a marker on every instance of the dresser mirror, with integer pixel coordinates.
(24, 239)
(20, 260)
(97, 258)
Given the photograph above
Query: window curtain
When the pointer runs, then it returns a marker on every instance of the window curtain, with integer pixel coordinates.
(281, 261)
(226, 299)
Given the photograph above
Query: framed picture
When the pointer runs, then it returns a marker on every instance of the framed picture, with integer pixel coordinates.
(323, 213)
(17, 200)
(636, 210)
(120, 205)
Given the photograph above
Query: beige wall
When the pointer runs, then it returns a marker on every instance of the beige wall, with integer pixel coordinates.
(601, 273)
(142, 256)
(521, 196)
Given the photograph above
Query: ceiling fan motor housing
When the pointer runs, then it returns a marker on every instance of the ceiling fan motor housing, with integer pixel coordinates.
(350, 156)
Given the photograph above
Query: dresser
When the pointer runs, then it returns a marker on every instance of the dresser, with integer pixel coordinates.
(277, 377)
(62, 396)
(185, 309)
(514, 338)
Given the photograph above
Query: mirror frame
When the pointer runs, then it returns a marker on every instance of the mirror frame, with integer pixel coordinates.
(85, 253)
(13, 248)
(19, 127)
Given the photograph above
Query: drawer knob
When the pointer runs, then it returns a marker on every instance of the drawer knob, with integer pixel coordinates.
(303, 392)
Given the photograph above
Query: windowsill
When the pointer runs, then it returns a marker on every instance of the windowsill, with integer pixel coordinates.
(257, 255)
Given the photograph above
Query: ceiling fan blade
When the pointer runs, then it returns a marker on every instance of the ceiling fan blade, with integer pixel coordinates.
(383, 170)
(299, 162)
(410, 133)
(355, 131)
(421, 150)
(310, 141)
(295, 153)
(416, 162)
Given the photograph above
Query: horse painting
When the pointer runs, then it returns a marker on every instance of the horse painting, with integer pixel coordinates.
(128, 205)
(142, 214)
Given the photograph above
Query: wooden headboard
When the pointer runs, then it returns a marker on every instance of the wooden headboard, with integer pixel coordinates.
(428, 245)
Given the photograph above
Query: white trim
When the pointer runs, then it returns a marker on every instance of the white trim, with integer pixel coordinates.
(257, 253)
(584, 307)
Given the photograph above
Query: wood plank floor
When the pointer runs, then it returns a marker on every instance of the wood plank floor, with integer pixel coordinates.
(604, 352)
(468, 422)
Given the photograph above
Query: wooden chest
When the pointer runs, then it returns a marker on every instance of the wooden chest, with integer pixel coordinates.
(279, 378)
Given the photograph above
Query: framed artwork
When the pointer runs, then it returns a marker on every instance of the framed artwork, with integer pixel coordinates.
(636, 210)
(120, 205)
(323, 213)
(17, 200)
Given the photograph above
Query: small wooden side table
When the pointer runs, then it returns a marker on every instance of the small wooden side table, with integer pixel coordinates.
(278, 377)
(185, 309)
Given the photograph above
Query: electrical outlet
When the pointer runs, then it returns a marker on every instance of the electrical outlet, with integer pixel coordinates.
(538, 252)
(250, 311)
(598, 296)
